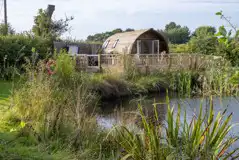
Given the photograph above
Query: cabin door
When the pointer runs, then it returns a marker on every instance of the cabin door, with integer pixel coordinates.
(155, 47)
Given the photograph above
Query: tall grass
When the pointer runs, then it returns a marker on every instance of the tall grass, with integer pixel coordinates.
(58, 110)
(131, 71)
(204, 137)
(220, 82)
(182, 82)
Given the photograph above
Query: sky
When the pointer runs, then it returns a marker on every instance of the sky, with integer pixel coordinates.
(96, 16)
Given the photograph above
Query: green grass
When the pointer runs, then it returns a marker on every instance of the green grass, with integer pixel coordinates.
(14, 146)
(5, 88)
(5, 91)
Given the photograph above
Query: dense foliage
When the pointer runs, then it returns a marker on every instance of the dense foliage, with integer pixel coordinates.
(5, 31)
(176, 33)
(229, 42)
(15, 48)
(101, 37)
(45, 27)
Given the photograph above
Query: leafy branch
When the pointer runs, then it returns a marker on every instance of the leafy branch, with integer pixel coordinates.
(222, 30)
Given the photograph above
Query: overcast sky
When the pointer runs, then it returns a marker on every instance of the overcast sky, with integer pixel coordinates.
(93, 16)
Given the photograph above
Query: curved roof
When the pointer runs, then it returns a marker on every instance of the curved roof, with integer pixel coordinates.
(127, 39)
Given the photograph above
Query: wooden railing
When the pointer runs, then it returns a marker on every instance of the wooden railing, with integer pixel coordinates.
(110, 59)
(155, 60)
(179, 60)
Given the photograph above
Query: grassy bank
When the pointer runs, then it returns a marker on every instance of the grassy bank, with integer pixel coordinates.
(48, 117)
(14, 144)
(54, 116)
(185, 83)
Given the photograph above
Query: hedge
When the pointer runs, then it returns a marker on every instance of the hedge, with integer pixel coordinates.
(14, 49)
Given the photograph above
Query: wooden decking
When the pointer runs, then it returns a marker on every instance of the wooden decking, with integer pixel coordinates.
(94, 63)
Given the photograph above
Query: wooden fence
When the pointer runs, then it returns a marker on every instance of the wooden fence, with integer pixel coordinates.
(160, 61)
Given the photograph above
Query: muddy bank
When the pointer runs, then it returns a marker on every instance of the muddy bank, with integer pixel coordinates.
(115, 89)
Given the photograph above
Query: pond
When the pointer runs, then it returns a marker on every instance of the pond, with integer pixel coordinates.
(123, 111)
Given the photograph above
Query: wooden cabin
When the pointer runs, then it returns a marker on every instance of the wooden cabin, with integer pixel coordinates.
(147, 41)
(78, 48)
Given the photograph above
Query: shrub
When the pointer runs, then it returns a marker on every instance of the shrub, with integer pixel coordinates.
(65, 65)
(180, 48)
(204, 45)
(14, 49)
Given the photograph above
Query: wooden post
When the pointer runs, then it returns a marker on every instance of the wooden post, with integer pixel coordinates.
(147, 65)
(190, 66)
(196, 63)
(99, 62)
(170, 62)
(5, 16)
(152, 46)
(113, 60)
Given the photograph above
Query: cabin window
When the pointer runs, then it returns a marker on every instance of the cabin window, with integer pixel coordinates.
(106, 44)
(115, 43)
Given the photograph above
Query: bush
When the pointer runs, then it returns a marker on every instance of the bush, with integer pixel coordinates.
(230, 52)
(65, 65)
(14, 49)
(204, 45)
(180, 48)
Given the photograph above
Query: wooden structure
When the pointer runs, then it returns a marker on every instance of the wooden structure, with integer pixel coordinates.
(147, 41)
(145, 50)
(75, 48)
(147, 62)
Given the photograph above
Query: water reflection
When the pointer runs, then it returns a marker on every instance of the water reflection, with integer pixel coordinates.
(126, 111)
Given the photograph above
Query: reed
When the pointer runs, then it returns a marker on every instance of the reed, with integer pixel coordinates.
(203, 137)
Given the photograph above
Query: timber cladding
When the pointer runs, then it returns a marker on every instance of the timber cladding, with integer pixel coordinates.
(126, 42)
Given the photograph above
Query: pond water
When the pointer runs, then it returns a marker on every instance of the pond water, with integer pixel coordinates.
(123, 111)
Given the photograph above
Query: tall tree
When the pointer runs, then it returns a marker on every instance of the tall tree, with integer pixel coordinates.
(45, 27)
(171, 25)
(176, 33)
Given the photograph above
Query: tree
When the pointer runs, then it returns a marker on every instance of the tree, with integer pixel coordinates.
(45, 27)
(203, 40)
(177, 34)
(3, 29)
(204, 45)
(117, 30)
(171, 25)
(229, 43)
(129, 30)
(101, 37)
(204, 31)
